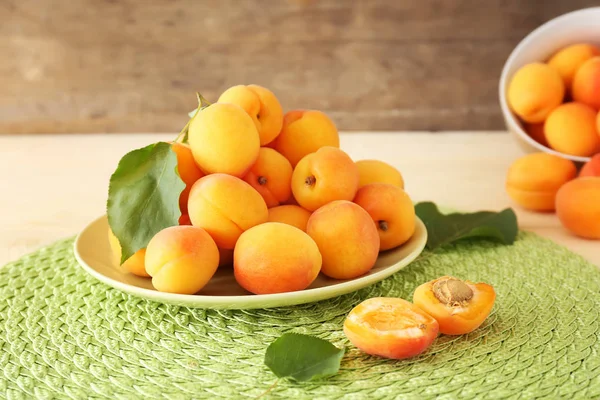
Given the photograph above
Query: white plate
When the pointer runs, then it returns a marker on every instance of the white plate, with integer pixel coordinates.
(94, 254)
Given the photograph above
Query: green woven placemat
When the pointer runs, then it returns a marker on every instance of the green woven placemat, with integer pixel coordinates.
(65, 335)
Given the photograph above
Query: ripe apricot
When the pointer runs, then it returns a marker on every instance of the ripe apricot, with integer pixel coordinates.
(134, 264)
(375, 171)
(275, 258)
(181, 259)
(271, 176)
(347, 239)
(591, 168)
(324, 176)
(390, 327)
(533, 180)
(536, 132)
(224, 139)
(291, 215)
(535, 90)
(305, 132)
(225, 206)
(392, 211)
(571, 129)
(568, 60)
(458, 306)
(586, 83)
(578, 207)
(261, 105)
(188, 171)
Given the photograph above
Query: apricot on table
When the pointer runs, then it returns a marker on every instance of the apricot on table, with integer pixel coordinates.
(571, 129)
(390, 327)
(392, 211)
(134, 264)
(535, 90)
(533, 180)
(591, 168)
(261, 105)
(536, 132)
(458, 306)
(375, 171)
(181, 259)
(224, 139)
(225, 206)
(578, 207)
(291, 215)
(347, 238)
(304, 132)
(324, 176)
(586, 83)
(275, 258)
(271, 176)
(568, 60)
(188, 171)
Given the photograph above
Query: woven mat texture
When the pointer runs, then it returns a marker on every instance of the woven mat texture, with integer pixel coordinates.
(65, 335)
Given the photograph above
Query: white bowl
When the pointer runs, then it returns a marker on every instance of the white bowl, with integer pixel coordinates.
(582, 26)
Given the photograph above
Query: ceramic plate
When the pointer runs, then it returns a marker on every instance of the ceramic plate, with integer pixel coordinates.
(94, 254)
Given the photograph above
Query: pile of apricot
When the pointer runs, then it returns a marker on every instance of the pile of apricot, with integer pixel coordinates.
(273, 195)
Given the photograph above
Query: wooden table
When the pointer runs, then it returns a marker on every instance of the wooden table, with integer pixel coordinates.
(52, 185)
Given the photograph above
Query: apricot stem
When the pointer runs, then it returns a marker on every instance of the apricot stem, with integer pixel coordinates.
(262, 180)
(452, 291)
(310, 181)
(383, 225)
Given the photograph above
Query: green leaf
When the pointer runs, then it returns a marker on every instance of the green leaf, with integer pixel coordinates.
(303, 357)
(143, 196)
(443, 229)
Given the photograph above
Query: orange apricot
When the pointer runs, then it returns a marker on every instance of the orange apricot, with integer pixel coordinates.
(390, 327)
(224, 139)
(261, 105)
(375, 171)
(392, 211)
(533, 180)
(586, 83)
(536, 132)
(188, 171)
(568, 60)
(578, 207)
(591, 168)
(271, 176)
(275, 258)
(535, 90)
(347, 239)
(571, 129)
(181, 259)
(324, 176)
(291, 215)
(225, 206)
(134, 264)
(458, 306)
(305, 132)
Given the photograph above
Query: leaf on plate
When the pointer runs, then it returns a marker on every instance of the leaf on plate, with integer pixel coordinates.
(143, 196)
(443, 229)
(303, 357)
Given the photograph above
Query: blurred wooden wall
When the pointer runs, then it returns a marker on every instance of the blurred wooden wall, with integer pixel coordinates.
(134, 66)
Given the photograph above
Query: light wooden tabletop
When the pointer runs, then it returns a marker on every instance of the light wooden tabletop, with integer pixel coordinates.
(52, 185)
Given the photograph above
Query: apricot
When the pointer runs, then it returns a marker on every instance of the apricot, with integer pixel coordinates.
(535, 90)
(578, 207)
(347, 238)
(324, 176)
(586, 83)
(533, 180)
(225, 206)
(392, 211)
(181, 259)
(188, 171)
(224, 139)
(261, 105)
(271, 176)
(536, 132)
(591, 168)
(568, 60)
(571, 129)
(375, 171)
(305, 132)
(275, 258)
(134, 264)
(291, 215)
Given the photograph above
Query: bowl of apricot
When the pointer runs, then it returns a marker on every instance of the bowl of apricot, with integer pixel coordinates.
(550, 87)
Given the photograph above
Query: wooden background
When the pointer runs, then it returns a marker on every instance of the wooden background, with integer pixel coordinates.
(133, 66)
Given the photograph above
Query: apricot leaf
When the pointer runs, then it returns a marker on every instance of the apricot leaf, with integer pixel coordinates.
(143, 196)
(303, 357)
(443, 229)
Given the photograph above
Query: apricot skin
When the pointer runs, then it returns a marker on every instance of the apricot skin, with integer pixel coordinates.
(188, 172)
(181, 259)
(591, 168)
(533, 180)
(586, 83)
(275, 258)
(578, 207)
(568, 60)
(347, 239)
(375, 171)
(571, 129)
(271, 176)
(291, 215)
